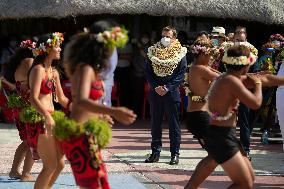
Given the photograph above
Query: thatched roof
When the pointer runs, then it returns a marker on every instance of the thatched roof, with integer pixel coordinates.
(265, 11)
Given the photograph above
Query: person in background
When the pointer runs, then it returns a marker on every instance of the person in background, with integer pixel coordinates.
(16, 73)
(202, 34)
(137, 72)
(122, 73)
(7, 52)
(108, 74)
(230, 37)
(245, 116)
(165, 73)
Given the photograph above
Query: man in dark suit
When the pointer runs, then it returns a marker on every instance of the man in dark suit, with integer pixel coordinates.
(165, 72)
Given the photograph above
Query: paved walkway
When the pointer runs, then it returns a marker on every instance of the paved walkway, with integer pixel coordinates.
(125, 162)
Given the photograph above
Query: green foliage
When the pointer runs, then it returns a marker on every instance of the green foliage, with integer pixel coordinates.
(30, 115)
(101, 130)
(66, 129)
(16, 101)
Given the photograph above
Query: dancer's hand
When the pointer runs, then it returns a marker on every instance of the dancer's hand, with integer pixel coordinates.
(49, 123)
(107, 118)
(255, 78)
(124, 115)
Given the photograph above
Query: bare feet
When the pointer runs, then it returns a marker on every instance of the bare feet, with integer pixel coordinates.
(27, 178)
(14, 175)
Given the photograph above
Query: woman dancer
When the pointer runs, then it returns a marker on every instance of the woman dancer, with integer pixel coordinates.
(84, 58)
(17, 71)
(45, 87)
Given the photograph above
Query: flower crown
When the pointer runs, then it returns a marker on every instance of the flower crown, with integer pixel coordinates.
(44, 48)
(240, 60)
(202, 46)
(197, 49)
(28, 44)
(277, 37)
(116, 37)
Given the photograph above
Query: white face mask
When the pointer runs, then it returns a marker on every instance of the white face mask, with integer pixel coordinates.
(166, 41)
(215, 42)
(240, 43)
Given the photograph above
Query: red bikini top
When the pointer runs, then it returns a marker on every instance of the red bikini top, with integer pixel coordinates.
(46, 85)
(97, 90)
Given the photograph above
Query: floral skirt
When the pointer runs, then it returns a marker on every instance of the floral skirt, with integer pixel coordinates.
(33, 131)
(88, 168)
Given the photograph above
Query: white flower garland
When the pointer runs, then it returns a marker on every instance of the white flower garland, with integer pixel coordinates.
(241, 60)
(166, 67)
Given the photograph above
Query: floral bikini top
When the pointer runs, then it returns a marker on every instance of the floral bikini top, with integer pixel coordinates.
(216, 116)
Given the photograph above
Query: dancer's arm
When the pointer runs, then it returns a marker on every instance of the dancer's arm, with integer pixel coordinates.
(268, 80)
(252, 100)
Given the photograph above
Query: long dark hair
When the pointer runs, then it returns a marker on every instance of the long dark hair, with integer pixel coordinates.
(85, 49)
(14, 62)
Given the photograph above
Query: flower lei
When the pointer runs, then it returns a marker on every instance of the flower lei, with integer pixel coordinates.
(240, 60)
(215, 115)
(28, 44)
(116, 37)
(45, 48)
(187, 90)
(165, 59)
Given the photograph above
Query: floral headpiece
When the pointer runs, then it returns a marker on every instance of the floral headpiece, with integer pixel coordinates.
(240, 60)
(116, 37)
(28, 44)
(276, 37)
(202, 46)
(44, 48)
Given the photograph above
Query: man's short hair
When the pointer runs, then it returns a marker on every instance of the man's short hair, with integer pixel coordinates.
(241, 28)
(170, 28)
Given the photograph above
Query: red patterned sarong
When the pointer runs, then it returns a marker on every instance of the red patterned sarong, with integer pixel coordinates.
(33, 131)
(20, 125)
(87, 173)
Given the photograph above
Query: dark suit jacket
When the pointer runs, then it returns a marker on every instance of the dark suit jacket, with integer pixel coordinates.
(172, 82)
